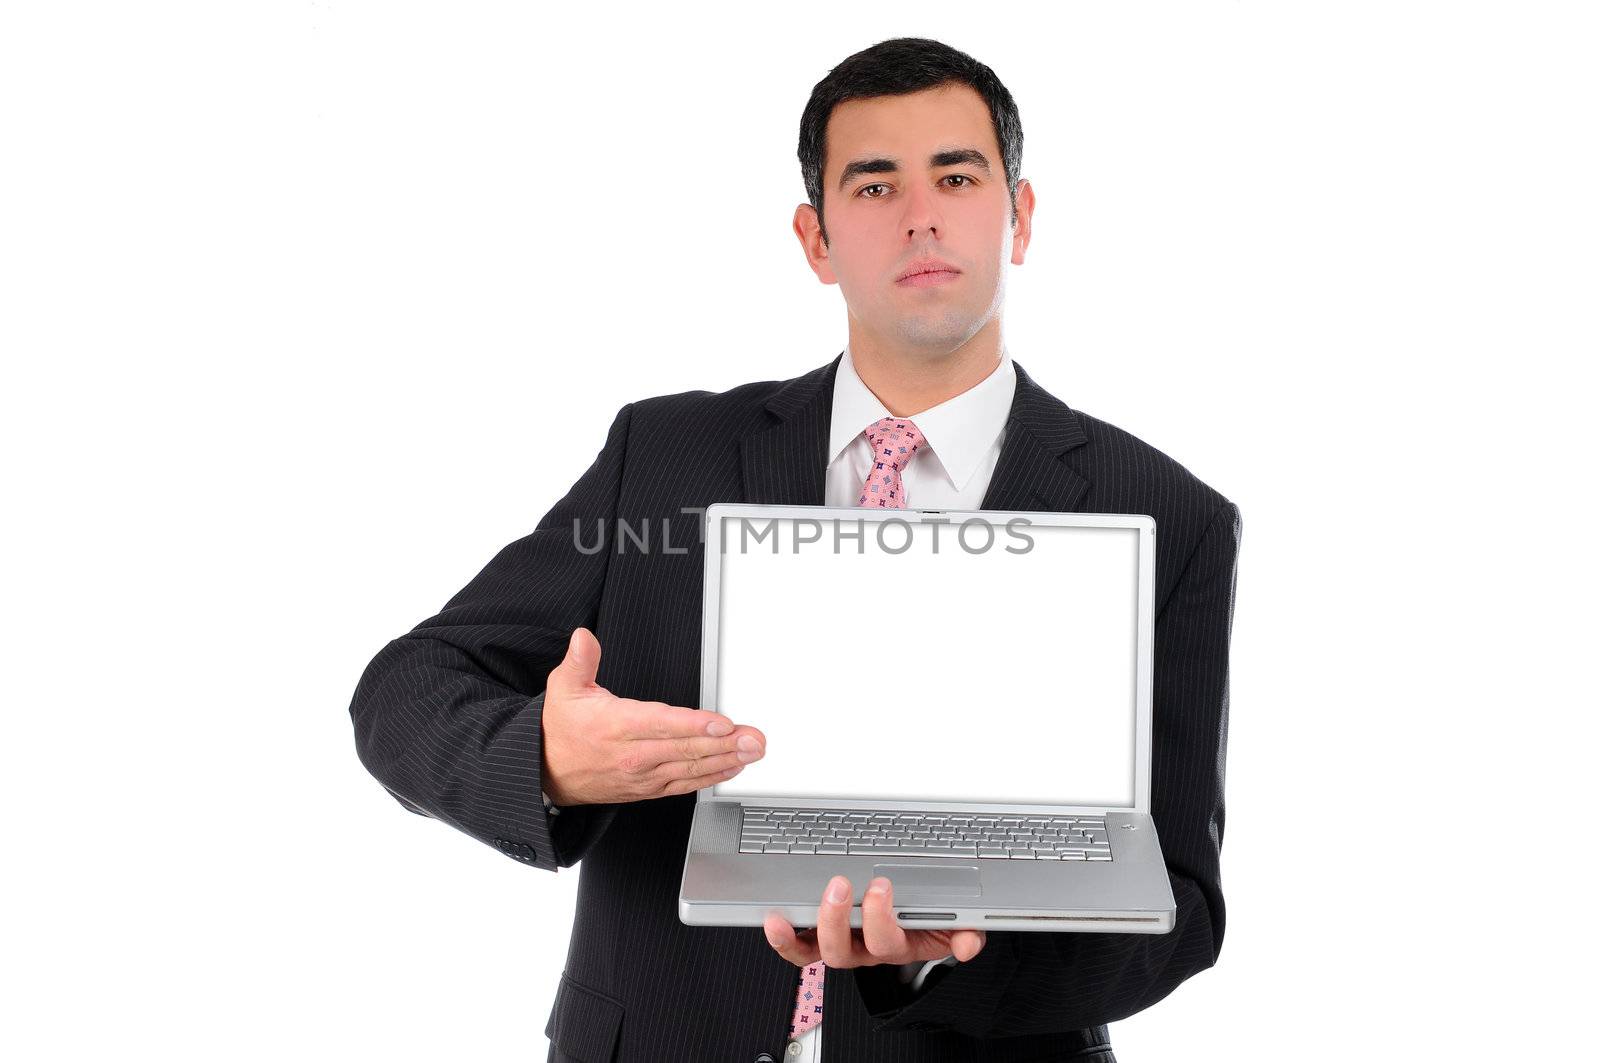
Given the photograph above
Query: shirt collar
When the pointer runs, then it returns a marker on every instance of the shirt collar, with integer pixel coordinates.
(959, 430)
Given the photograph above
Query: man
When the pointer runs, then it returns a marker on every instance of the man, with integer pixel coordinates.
(910, 152)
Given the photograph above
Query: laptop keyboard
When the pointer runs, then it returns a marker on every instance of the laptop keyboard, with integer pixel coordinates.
(841, 832)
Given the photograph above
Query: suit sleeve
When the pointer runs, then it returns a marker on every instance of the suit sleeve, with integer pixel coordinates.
(1044, 982)
(449, 717)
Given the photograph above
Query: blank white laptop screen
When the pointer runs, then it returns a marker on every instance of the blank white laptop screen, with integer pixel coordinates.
(939, 673)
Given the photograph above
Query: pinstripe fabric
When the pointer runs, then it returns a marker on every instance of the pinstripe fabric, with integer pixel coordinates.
(447, 718)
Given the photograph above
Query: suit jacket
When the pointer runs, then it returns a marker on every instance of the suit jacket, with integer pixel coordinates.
(448, 719)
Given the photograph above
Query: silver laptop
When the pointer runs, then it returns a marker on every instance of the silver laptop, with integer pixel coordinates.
(956, 700)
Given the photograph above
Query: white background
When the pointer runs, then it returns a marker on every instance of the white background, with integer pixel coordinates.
(307, 309)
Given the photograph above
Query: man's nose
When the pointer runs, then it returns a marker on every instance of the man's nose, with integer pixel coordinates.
(922, 213)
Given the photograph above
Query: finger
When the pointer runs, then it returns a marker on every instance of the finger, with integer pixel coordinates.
(695, 776)
(834, 938)
(882, 934)
(577, 669)
(652, 771)
(968, 943)
(698, 769)
(657, 719)
(791, 946)
(744, 746)
(699, 772)
(698, 782)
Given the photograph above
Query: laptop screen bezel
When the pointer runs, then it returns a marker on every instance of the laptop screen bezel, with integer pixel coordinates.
(712, 523)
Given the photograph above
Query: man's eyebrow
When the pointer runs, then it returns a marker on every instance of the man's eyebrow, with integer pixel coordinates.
(954, 157)
(958, 157)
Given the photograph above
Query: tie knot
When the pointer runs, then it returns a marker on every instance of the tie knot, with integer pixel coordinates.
(894, 440)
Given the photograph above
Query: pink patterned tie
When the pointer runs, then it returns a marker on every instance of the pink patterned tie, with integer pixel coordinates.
(808, 1000)
(894, 440)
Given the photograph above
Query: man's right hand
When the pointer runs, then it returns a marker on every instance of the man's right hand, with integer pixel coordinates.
(602, 749)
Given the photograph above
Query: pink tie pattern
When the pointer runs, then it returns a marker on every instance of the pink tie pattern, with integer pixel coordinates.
(808, 1000)
(894, 440)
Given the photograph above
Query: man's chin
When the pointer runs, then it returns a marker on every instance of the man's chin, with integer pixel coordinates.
(944, 332)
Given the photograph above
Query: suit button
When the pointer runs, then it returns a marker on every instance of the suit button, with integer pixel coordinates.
(764, 1057)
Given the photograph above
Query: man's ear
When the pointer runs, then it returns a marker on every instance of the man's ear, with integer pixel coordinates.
(809, 230)
(1022, 228)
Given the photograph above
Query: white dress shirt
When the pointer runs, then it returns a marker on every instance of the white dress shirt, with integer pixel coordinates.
(964, 435)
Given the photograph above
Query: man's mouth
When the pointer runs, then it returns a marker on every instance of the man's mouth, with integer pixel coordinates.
(927, 274)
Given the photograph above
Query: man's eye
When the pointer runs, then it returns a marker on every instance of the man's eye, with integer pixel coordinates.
(866, 190)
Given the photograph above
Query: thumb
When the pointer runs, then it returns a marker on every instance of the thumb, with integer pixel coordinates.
(578, 668)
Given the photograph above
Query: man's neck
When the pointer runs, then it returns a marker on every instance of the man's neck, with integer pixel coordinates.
(908, 381)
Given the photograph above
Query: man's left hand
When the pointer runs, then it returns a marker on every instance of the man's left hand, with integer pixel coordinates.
(880, 939)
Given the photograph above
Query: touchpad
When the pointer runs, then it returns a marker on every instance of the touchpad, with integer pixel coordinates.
(911, 881)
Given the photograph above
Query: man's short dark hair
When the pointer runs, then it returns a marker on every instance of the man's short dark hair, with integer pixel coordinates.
(896, 68)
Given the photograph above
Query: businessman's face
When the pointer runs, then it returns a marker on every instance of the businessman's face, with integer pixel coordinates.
(911, 182)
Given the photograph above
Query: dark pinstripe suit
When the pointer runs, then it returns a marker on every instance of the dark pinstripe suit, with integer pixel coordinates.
(448, 719)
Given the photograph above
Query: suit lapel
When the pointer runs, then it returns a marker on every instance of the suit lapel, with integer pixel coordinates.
(1030, 474)
(786, 464)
